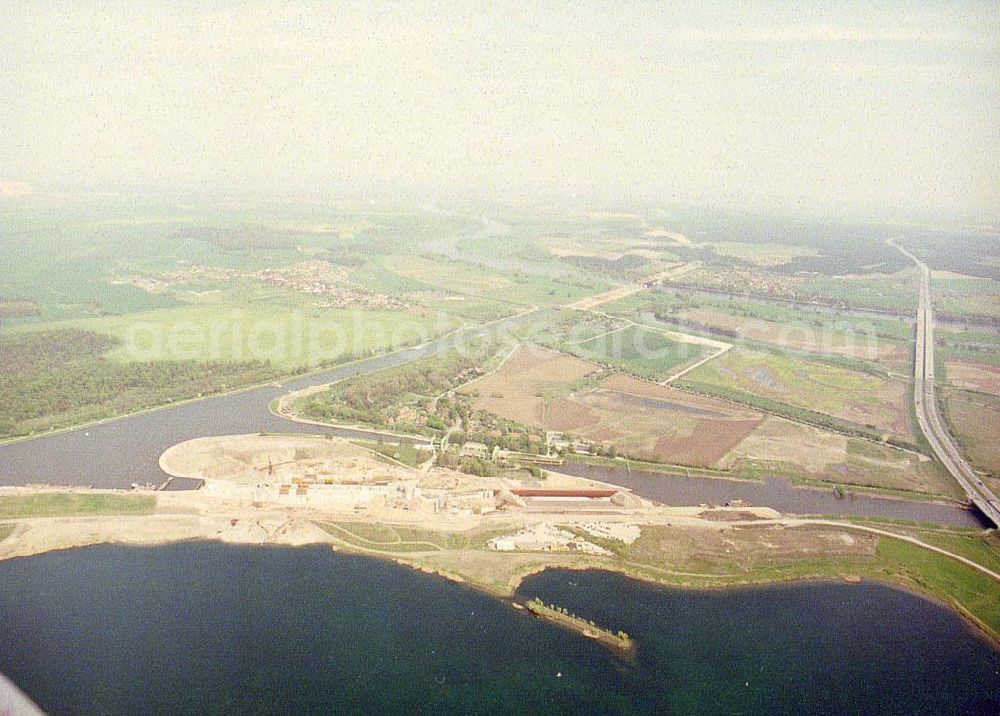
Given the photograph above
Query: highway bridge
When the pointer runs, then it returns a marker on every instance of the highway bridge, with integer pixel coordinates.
(928, 414)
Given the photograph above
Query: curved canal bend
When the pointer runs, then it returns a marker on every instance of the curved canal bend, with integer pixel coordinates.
(121, 451)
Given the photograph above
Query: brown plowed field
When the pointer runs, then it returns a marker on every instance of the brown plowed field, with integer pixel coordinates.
(570, 416)
(682, 401)
(709, 443)
(514, 392)
(640, 418)
(980, 377)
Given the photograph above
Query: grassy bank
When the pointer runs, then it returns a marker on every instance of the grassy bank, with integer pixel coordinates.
(406, 454)
(971, 592)
(386, 538)
(678, 557)
(665, 468)
(73, 504)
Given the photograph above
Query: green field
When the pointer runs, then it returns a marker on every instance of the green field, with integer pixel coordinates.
(668, 303)
(74, 504)
(208, 317)
(68, 251)
(895, 293)
(873, 345)
(513, 287)
(966, 296)
(982, 337)
(982, 548)
(980, 346)
(406, 454)
(854, 396)
(639, 350)
(974, 419)
(52, 379)
(944, 578)
(386, 538)
(288, 337)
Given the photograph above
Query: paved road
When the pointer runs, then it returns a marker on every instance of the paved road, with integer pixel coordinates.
(928, 414)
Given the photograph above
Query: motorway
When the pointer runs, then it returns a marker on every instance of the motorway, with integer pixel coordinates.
(928, 413)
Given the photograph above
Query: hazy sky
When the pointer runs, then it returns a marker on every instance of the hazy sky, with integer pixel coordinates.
(833, 107)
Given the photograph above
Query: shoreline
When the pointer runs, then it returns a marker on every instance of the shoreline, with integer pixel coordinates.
(509, 593)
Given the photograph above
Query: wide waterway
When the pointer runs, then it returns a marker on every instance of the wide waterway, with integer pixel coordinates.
(776, 492)
(116, 453)
(211, 628)
(119, 452)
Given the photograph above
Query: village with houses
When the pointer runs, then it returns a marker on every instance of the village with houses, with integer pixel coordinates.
(313, 277)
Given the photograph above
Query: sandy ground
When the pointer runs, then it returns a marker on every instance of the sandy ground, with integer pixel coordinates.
(220, 513)
(251, 459)
(44, 534)
(241, 501)
(780, 440)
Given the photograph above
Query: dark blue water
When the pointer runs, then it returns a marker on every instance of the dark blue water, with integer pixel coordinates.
(210, 628)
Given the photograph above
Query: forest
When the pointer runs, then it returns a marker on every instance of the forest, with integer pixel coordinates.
(51, 379)
(377, 397)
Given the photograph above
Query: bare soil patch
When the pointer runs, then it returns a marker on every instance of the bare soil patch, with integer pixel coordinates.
(709, 442)
(970, 375)
(640, 418)
(571, 416)
(746, 546)
(777, 440)
(249, 459)
(786, 446)
(516, 391)
(728, 516)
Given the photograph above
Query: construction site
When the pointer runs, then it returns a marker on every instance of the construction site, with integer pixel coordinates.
(331, 475)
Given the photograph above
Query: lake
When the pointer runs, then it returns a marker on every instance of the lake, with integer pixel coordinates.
(211, 628)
